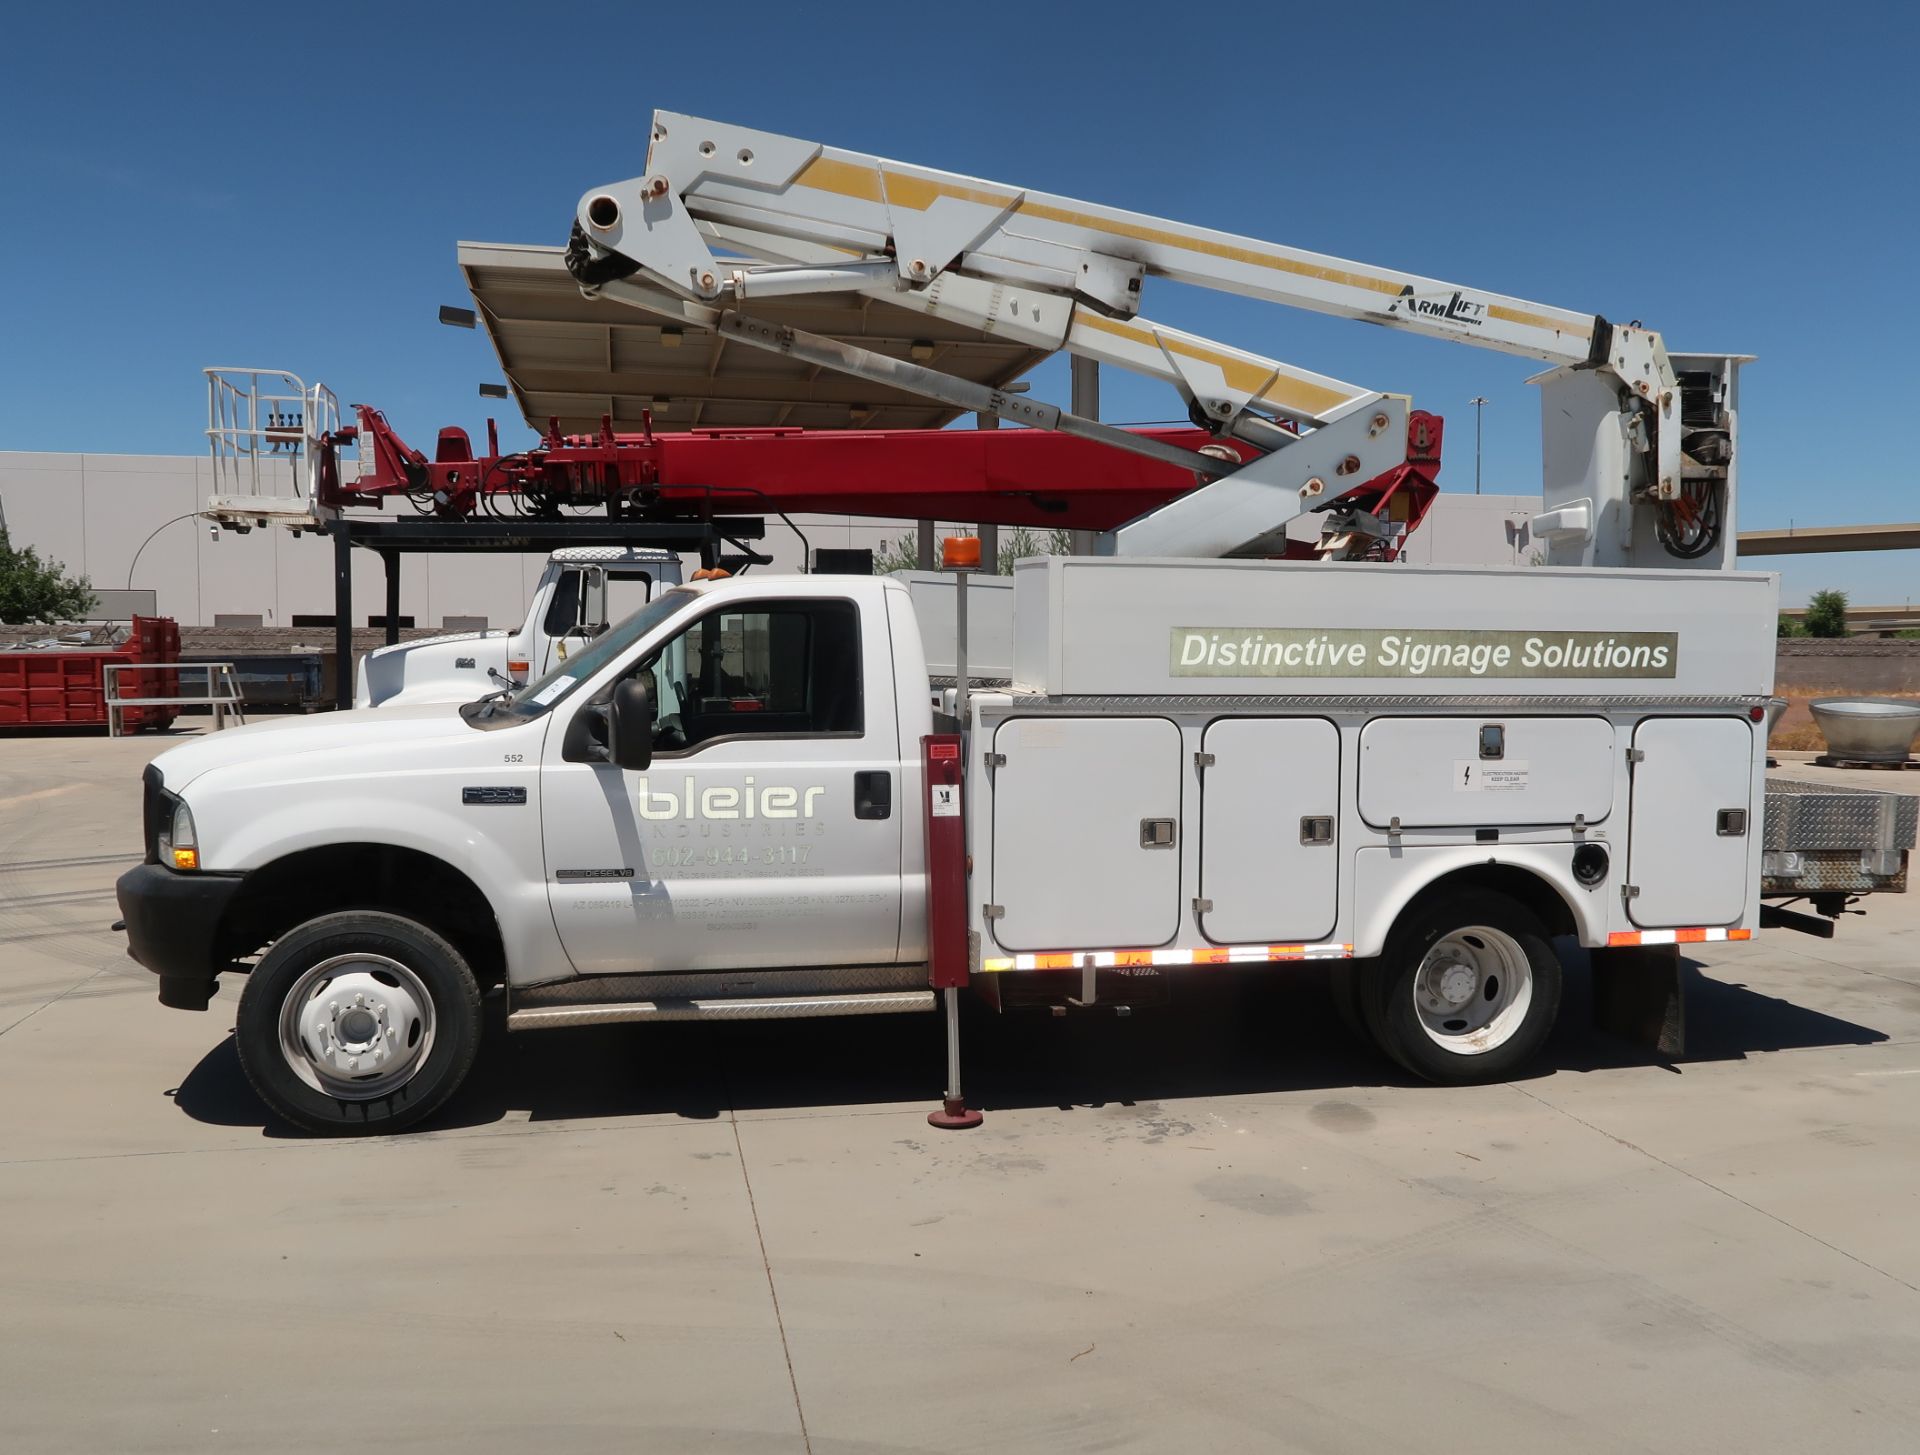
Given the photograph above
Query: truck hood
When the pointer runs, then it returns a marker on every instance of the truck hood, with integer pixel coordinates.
(369, 731)
(435, 669)
(436, 641)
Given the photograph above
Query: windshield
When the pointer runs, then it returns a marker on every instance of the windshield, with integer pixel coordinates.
(539, 695)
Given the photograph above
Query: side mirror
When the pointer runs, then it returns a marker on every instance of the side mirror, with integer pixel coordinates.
(591, 617)
(630, 718)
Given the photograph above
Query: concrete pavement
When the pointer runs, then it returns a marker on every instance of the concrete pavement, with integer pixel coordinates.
(1218, 1227)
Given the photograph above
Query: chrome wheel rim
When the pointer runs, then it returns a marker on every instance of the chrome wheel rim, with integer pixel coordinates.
(356, 1027)
(1473, 990)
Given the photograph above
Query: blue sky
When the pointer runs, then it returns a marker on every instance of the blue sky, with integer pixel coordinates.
(240, 184)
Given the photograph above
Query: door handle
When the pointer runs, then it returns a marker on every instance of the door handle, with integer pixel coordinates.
(1156, 833)
(873, 794)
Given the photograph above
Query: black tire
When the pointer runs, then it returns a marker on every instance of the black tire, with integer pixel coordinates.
(1343, 984)
(1389, 1005)
(421, 1084)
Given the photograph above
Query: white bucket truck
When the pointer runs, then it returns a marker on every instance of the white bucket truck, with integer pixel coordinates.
(718, 809)
(739, 801)
(581, 590)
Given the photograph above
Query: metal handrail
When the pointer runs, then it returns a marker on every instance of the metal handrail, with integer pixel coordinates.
(256, 415)
(219, 674)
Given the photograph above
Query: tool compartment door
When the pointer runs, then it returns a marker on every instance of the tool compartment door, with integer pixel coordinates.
(1489, 770)
(1073, 805)
(1683, 854)
(1267, 865)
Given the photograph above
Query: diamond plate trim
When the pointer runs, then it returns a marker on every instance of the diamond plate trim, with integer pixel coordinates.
(758, 1008)
(1447, 703)
(722, 984)
(625, 555)
(1830, 871)
(1819, 816)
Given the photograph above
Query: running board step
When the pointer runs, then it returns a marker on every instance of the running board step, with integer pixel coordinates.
(722, 1008)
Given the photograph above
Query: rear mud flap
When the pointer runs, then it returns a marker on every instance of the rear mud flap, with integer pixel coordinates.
(1639, 995)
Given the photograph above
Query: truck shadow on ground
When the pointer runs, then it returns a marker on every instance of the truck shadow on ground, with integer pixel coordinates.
(190, 727)
(1238, 1035)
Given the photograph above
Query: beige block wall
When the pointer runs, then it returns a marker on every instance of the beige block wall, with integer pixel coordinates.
(93, 512)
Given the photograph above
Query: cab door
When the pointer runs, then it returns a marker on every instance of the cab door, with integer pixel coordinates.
(767, 829)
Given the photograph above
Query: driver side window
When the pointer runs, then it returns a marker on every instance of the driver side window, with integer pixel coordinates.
(563, 611)
(785, 669)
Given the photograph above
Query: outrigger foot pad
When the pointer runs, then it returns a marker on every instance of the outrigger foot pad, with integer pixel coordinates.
(954, 1116)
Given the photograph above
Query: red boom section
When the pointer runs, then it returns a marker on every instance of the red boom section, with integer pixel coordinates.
(1014, 477)
(1005, 477)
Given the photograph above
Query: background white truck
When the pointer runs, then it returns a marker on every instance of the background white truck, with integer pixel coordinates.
(581, 591)
(718, 809)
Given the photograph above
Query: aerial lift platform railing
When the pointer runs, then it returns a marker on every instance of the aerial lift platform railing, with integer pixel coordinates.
(1639, 443)
(273, 438)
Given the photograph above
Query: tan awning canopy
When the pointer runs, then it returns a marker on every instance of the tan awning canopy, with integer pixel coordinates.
(578, 358)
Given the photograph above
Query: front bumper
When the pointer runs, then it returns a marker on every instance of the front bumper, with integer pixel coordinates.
(173, 923)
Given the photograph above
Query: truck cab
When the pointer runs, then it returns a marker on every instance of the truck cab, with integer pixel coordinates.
(757, 834)
(580, 592)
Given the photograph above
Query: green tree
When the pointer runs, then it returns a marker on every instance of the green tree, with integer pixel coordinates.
(1021, 541)
(1827, 614)
(35, 590)
(897, 555)
(1016, 543)
(1790, 627)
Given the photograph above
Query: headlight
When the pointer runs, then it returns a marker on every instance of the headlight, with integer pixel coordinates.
(179, 848)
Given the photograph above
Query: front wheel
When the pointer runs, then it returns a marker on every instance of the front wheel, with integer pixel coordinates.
(1466, 990)
(358, 1022)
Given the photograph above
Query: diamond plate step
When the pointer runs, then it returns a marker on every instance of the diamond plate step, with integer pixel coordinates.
(722, 1008)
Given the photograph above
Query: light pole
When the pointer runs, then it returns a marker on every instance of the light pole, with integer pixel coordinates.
(1478, 403)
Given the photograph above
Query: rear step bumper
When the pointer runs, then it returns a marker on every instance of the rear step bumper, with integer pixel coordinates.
(722, 1008)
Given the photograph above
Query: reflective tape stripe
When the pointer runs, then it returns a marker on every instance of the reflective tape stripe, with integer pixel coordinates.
(1674, 937)
(1205, 955)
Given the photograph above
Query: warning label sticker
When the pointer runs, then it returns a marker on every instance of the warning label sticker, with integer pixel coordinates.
(946, 800)
(1498, 776)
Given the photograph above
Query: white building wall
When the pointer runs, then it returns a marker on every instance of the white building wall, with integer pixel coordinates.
(93, 512)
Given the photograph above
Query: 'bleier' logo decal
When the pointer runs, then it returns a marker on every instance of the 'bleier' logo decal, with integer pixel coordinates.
(772, 801)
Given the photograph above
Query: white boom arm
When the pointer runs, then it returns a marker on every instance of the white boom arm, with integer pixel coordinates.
(1058, 273)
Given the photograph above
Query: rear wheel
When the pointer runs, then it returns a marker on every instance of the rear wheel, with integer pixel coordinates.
(358, 1022)
(1343, 984)
(1466, 990)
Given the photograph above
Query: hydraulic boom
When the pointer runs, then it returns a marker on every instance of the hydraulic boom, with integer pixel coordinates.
(1639, 443)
